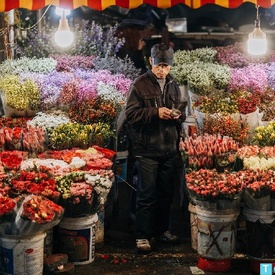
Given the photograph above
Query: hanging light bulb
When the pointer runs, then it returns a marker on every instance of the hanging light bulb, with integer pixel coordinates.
(63, 37)
(257, 44)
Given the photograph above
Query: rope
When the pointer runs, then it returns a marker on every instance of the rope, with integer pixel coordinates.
(127, 183)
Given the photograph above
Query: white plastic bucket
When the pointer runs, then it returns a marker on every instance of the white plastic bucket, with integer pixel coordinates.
(193, 226)
(76, 238)
(22, 255)
(217, 232)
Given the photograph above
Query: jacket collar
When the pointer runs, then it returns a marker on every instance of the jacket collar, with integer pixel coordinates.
(154, 79)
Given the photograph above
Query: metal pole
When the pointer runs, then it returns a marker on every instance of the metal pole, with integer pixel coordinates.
(40, 23)
(9, 38)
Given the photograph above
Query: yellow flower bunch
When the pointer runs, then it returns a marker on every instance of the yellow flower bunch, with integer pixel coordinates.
(264, 135)
(20, 95)
(71, 135)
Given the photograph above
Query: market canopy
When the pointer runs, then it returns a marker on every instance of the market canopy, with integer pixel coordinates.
(6, 5)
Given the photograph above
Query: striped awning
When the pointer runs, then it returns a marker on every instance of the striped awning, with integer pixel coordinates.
(6, 5)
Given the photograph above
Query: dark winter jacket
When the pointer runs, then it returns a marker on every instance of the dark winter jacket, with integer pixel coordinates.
(150, 135)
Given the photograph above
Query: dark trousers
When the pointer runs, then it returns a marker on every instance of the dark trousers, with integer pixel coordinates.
(154, 195)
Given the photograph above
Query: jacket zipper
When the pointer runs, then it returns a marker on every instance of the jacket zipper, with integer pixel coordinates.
(164, 92)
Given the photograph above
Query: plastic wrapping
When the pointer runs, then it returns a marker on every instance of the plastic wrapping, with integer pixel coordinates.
(36, 214)
(261, 204)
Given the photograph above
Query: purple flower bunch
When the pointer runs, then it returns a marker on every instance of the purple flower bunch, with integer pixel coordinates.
(50, 87)
(93, 39)
(271, 75)
(68, 63)
(236, 56)
(250, 78)
(88, 87)
(232, 55)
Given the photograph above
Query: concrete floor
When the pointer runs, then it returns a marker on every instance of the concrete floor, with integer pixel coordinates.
(118, 255)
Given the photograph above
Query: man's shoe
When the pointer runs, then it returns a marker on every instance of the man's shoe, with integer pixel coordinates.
(168, 237)
(143, 246)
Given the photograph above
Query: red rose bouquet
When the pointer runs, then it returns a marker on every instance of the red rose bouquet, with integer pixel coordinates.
(11, 160)
(37, 182)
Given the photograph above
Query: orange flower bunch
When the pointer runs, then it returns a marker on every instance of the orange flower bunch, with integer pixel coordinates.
(226, 126)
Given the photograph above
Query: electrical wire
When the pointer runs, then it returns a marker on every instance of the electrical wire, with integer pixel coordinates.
(29, 28)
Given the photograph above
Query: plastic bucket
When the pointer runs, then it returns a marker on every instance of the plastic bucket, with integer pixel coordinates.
(121, 166)
(48, 243)
(260, 237)
(193, 226)
(190, 126)
(217, 231)
(99, 229)
(22, 255)
(76, 238)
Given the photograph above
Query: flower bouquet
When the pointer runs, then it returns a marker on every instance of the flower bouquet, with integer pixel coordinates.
(70, 135)
(19, 97)
(257, 158)
(257, 188)
(230, 191)
(34, 140)
(247, 102)
(36, 214)
(264, 135)
(226, 125)
(225, 161)
(267, 107)
(214, 191)
(202, 188)
(77, 197)
(13, 138)
(7, 206)
(206, 150)
(199, 68)
(11, 160)
(35, 181)
(219, 102)
(102, 181)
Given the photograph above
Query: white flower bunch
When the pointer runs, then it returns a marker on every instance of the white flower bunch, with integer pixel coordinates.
(255, 163)
(77, 163)
(25, 65)
(49, 121)
(57, 166)
(101, 184)
(109, 93)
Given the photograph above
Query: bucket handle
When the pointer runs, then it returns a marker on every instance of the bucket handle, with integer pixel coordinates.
(263, 236)
(264, 222)
(229, 224)
(195, 222)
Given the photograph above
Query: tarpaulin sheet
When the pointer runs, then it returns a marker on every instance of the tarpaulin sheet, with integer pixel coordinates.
(6, 5)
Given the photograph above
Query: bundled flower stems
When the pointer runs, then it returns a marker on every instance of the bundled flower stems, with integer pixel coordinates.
(36, 214)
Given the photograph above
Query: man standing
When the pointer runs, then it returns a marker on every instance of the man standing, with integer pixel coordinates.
(154, 113)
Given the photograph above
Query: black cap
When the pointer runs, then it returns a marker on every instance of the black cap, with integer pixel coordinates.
(162, 54)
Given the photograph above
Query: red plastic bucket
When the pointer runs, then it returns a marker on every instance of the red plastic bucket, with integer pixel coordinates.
(214, 265)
